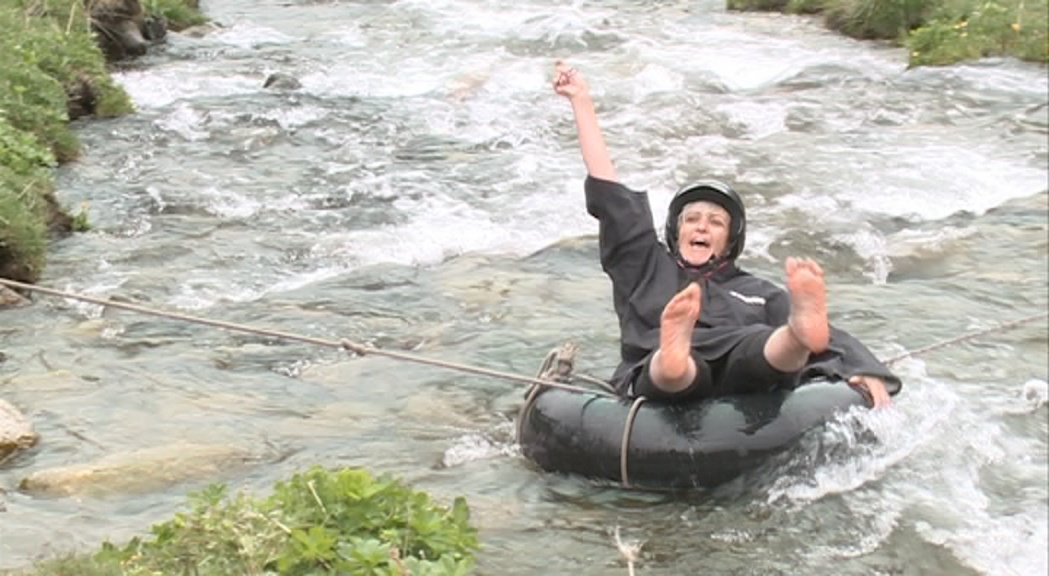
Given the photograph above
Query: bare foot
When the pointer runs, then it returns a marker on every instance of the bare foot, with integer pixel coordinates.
(675, 337)
(808, 304)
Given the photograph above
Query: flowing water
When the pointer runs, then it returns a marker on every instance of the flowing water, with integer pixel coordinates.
(422, 191)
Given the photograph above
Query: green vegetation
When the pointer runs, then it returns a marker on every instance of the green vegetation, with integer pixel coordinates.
(960, 31)
(46, 59)
(53, 71)
(935, 32)
(179, 14)
(319, 522)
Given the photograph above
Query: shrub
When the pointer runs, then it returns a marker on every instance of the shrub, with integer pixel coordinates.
(763, 5)
(939, 32)
(318, 522)
(805, 6)
(24, 183)
(23, 235)
(960, 32)
(57, 38)
(179, 14)
(49, 59)
(34, 102)
(876, 19)
(788, 6)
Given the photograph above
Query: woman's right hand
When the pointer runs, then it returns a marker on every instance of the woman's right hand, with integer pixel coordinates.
(568, 82)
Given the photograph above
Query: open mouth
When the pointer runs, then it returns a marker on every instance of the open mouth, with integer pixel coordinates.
(699, 244)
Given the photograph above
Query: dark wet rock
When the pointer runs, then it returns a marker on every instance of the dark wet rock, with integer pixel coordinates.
(82, 96)
(281, 81)
(155, 28)
(59, 222)
(16, 433)
(123, 29)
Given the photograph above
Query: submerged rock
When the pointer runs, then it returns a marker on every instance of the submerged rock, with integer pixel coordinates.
(55, 381)
(139, 471)
(16, 433)
(281, 81)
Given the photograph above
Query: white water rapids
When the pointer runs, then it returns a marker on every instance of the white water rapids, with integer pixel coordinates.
(423, 190)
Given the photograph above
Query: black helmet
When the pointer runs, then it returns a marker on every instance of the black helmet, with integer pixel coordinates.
(718, 193)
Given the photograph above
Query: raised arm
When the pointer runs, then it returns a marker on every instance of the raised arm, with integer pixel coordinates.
(569, 83)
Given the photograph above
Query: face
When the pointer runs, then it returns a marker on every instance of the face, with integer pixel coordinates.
(703, 231)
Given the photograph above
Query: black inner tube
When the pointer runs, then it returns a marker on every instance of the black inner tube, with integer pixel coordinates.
(701, 444)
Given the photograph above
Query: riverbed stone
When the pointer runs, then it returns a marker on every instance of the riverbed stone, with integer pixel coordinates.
(54, 381)
(16, 433)
(201, 30)
(11, 299)
(140, 471)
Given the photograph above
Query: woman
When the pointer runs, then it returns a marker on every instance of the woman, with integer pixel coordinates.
(692, 324)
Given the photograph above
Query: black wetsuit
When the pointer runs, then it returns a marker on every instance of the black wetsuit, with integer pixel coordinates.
(738, 313)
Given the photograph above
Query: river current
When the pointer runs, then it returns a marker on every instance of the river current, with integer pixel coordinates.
(422, 191)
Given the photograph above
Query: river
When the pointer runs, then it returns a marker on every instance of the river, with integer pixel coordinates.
(422, 191)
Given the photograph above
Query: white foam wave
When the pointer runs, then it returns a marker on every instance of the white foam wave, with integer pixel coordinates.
(186, 122)
(247, 35)
(939, 464)
(473, 447)
(973, 180)
(291, 118)
(897, 439)
(759, 119)
(159, 87)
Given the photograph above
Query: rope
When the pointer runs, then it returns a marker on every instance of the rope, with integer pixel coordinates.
(362, 349)
(533, 393)
(624, 447)
(966, 337)
(596, 382)
(357, 348)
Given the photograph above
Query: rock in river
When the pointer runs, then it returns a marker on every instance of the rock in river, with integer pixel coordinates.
(15, 431)
(139, 471)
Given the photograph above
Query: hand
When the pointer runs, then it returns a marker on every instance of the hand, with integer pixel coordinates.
(874, 388)
(568, 82)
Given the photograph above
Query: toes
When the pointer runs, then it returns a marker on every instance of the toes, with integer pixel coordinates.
(794, 265)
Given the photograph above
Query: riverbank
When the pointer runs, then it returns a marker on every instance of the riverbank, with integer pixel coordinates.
(54, 72)
(935, 33)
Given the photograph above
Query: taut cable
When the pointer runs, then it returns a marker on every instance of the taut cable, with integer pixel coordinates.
(364, 349)
(345, 344)
(967, 336)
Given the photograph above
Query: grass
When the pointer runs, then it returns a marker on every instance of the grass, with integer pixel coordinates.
(935, 32)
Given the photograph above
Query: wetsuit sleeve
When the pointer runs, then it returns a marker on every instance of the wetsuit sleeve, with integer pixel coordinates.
(626, 233)
(847, 357)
